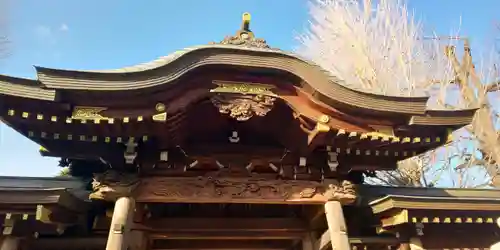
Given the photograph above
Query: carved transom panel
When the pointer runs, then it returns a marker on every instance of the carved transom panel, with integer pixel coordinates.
(242, 190)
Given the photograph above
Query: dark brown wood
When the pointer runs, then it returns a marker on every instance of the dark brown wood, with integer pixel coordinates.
(188, 103)
(240, 190)
(229, 235)
(223, 225)
(68, 243)
(315, 216)
(221, 244)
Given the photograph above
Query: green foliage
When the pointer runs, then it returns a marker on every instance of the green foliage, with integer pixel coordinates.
(65, 172)
(84, 169)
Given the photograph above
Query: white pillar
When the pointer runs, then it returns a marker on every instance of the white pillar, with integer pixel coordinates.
(119, 230)
(495, 246)
(337, 226)
(9, 243)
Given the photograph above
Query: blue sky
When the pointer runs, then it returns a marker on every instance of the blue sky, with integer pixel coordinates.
(97, 34)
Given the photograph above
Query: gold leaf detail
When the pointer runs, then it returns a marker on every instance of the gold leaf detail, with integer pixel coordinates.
(243, 88)
(162, 117)
(88, 113)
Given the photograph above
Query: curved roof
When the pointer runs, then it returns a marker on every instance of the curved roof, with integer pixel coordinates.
(174, 66)
(239, 50)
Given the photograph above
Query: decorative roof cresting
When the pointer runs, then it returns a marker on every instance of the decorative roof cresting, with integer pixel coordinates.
(245, 37)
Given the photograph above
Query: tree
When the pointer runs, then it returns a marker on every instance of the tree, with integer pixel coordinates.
(84, 169)
(381, 48)
(478, 90)
(64, 172)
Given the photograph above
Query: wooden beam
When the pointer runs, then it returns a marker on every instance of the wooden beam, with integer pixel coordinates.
(68, 243)
(179, 225)
(221, 244)
(239, 190)
(228, 235)
(55, 215)
(324, 241)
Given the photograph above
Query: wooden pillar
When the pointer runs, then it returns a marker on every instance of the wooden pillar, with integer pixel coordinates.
(119, 231)
(9, 243)
(337, 226)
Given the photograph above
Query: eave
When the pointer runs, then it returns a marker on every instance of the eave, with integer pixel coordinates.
(25, 88)
(436, 203)
(25, 211)
(443, 118)
(167, 70)
(396, 206)
(27, 197)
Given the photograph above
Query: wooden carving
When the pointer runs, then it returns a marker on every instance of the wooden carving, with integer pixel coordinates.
(88, 113)
(243, 88)
(243, 107)
(111, 185)
(245, 40)
(345, 193)
(238, 190)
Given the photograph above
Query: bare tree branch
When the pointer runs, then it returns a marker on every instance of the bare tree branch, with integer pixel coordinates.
(380, 48)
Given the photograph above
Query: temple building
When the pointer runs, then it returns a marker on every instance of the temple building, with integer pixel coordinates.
(229, 145)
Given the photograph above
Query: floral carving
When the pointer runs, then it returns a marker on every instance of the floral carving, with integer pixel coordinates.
(243, 107)
(112, 184)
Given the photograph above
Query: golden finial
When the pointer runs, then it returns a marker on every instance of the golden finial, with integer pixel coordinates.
(245, 21)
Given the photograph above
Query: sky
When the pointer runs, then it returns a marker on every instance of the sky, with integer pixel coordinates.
(97, 34)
